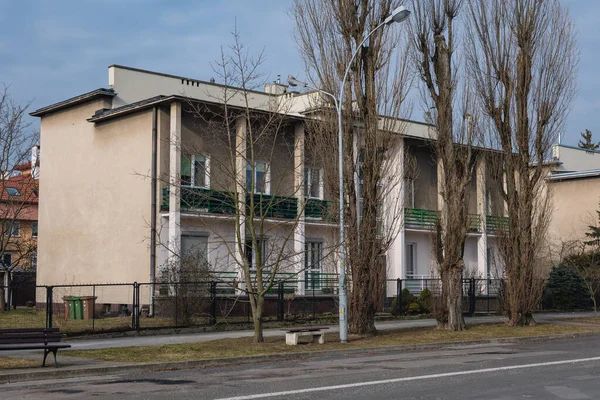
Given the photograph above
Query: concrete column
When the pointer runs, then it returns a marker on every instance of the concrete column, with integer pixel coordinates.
(482, 245)
(395, 205)
(402, 234)
(240, 187)
(174, 183)
(299, 230)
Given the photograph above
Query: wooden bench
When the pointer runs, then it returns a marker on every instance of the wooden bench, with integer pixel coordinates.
(46, 339)
(292, 335)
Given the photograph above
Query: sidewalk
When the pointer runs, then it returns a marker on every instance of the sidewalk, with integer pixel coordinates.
(71, 367)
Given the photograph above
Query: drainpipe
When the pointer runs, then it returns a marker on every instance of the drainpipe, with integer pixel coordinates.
(153, 210)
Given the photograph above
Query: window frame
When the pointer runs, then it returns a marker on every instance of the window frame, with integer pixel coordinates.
(34, 223)
(191, 234)
(308, 177)
(413, 253)
(251, 186)
(193, 158)
(262, 241)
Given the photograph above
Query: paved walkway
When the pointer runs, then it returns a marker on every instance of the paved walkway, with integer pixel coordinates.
(74, 366)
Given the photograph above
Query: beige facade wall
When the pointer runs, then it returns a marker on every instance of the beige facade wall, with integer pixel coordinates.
(94, 208)
(575, 204)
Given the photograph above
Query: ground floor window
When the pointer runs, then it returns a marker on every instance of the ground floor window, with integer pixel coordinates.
(410, 257)
(194, 255)
(313, 259)
(256, 252)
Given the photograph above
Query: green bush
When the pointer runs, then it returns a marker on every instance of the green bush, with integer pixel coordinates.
(426, 301)
(414, 308)
(407, 299)
(565, 290)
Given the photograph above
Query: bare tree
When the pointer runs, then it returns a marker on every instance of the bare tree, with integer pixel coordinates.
(18, 200)
(253, 148)
(523, 56)
(434, 47)
(328, 32)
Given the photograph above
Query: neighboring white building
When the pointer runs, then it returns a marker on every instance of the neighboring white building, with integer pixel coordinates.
(98, 202)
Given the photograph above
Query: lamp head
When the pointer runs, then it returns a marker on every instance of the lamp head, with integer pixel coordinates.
(399, 14)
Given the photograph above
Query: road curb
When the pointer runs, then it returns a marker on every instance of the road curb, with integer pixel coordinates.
(64, 373)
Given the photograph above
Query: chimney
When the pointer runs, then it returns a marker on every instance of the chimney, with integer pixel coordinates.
(35, 158)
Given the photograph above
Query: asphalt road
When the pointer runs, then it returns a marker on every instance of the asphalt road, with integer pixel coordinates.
(560, 369)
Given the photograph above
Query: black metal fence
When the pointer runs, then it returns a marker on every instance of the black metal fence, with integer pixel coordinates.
(133, 306)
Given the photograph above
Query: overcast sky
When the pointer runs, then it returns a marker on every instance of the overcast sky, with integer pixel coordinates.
(53, 50)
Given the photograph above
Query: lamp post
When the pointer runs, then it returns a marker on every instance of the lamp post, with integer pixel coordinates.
(399, 14)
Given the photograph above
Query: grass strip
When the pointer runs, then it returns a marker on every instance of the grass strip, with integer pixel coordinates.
(244, 347)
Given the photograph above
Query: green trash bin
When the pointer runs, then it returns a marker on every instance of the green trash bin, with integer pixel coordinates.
(75, 307)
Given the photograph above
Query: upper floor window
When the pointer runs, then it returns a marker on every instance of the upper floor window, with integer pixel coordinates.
(34, 260)
(13, 191)
(257, 178)
(34, 229)
(313, 183)
(12, 228)
(6, 260)
(195, 170)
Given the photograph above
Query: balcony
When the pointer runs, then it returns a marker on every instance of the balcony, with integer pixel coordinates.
(201, 199)
(474, 223)
(427, 219)
(494, 224)
(419, 218)
(267, 206)
(316, 209)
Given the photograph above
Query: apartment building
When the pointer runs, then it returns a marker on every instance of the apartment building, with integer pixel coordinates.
(19, 229)
(142, 156)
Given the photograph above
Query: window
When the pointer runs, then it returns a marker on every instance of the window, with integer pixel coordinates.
(13, 191)
(313, 256)
(34, 229)
(411, 259)
(257, 178)
(12, 228)
(313, 183)
(254, 257)
(34, 261)
(7, 260)
(194, 250)
(312, 264)
(195, 170)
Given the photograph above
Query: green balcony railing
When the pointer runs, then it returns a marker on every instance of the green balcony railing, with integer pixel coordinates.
(474, 223)
(494, 223)
(267, 206)
(201, 199)
(317, 209)
(321, 281)
(419, 218)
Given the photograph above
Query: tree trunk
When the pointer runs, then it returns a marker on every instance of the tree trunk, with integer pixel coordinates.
(257, 312)
(452, 284)
(361, 319)
(2, 303)
(521, 319)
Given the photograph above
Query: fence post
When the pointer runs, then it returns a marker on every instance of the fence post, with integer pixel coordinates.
(176, 302)
(399, 295)
(133, 310)
(49, 305)
(471, 296)
(280, 301)
(213, 304)
(138, 308)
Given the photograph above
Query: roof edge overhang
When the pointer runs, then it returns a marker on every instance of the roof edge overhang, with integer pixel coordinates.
(94, 94)
(162, 100)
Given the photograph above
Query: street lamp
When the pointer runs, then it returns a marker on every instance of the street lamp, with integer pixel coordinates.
(399, 14)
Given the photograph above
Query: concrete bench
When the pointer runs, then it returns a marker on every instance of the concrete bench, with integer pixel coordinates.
(292, 335)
